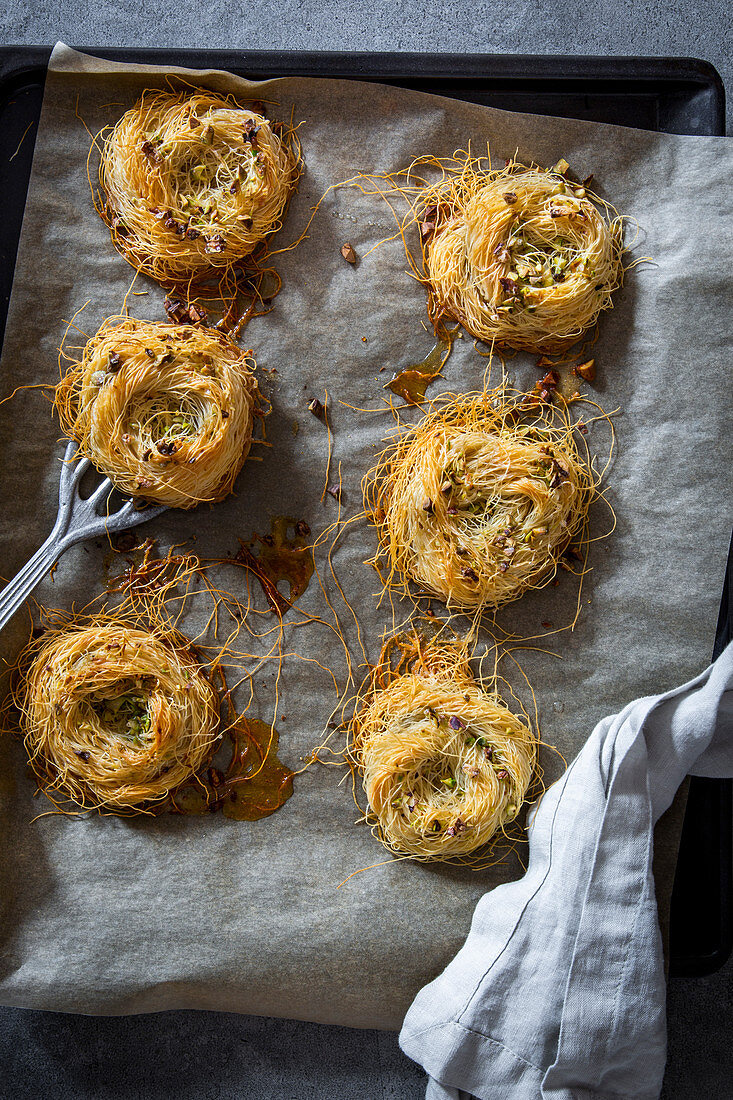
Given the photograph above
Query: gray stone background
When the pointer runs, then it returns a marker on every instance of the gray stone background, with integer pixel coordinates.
(216, 1056)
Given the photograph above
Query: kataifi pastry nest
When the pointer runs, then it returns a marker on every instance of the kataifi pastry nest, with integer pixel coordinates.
(478, 500)
(114, 716)
(445, 764)
(522, 258)
(193, 182)
(165, 411)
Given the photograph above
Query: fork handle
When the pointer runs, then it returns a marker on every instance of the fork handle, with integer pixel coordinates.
(23, 583)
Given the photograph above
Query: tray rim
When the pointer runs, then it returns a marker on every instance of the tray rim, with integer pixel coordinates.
(390, 65)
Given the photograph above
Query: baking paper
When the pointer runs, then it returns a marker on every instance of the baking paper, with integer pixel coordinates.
(104, 915)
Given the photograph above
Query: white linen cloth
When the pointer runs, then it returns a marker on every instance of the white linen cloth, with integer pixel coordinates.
(559, 990)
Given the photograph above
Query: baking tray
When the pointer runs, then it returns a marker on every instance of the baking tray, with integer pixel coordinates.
(669, 95)
(701, 911)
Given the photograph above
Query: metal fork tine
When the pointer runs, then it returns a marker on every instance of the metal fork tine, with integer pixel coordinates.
(67, 468)
(133, 516)
(71, 472)
(127, 510)
(101, 492)
(79, 470)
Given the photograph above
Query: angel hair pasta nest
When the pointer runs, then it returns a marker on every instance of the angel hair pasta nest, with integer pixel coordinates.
(522, 257)
(165, 411)
(114, 716)
(193, 182)
(478, 500)
(444, 763)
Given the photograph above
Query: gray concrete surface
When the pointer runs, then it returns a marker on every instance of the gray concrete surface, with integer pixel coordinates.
(212, 1056)
(654, 27)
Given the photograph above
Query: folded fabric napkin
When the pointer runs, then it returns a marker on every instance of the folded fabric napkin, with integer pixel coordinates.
(559, 990)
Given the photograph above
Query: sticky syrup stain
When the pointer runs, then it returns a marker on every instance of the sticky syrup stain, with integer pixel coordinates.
(411, 383)
(283, 555)
(280, 556)
(254, 784)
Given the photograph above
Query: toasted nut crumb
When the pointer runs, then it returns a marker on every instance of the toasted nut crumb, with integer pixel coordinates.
(586, 371)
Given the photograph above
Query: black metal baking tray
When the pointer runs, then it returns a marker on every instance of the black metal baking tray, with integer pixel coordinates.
(670, 95)
(701, 919)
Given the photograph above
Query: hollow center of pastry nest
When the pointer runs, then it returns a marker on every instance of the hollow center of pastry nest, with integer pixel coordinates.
(123, 711)
(530, 247)
(175, 400)
(210, 163)
(164, 419)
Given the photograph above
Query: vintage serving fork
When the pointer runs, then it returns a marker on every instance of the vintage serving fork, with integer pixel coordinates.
(77, 519)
